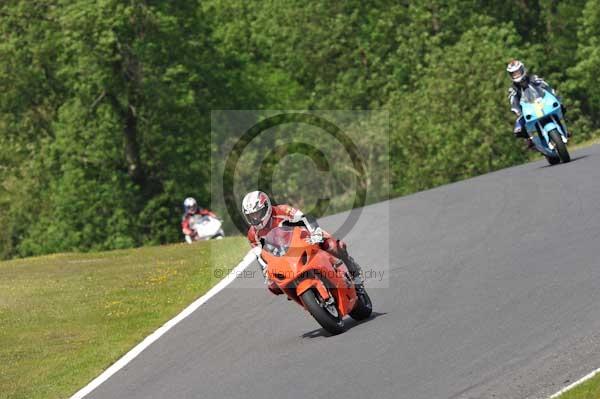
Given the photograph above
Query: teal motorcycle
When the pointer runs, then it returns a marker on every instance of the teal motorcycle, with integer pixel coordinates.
(545, 124)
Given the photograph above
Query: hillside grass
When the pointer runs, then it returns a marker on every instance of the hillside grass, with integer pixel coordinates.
(65, 318)
(588, 390)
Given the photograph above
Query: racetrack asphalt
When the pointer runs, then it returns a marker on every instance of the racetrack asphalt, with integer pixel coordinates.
(493, 291)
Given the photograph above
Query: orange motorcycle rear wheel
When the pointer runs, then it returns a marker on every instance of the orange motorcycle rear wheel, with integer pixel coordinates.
(363, 307)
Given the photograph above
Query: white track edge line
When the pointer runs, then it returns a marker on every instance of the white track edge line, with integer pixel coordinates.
(132, 354)
(578, 382)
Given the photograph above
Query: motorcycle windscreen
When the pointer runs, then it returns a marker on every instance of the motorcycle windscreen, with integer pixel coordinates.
(531, 94)
(278, 241)
(198, 220)
(205, 226)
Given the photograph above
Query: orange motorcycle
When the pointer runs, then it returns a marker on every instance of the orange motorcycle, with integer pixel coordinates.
(317, 281)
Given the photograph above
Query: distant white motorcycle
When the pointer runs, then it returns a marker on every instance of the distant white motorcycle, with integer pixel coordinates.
(206, 228)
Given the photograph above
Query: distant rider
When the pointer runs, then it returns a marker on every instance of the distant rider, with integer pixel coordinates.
(190, 209)
(521, 81)
(263, 217)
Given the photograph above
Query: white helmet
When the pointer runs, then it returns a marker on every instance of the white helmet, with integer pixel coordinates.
(190, 205)
(257, 209)
(516, 70)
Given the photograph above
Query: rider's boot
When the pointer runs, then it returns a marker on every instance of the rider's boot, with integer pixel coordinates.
(274, 288)
(354, 269)
(529, 145)
(338, 249)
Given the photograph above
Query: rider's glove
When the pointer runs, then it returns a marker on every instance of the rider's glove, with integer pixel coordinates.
(316, 237)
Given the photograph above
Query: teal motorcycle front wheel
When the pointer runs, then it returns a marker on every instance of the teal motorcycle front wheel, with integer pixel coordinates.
(552, 160)
(561, 148)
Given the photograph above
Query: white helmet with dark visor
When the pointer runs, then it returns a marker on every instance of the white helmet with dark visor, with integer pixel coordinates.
(257, 209)
(516, 70)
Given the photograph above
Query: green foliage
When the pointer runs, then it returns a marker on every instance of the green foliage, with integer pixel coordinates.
(585, 73)
(128, 125)
(452, 121)
(105, 107)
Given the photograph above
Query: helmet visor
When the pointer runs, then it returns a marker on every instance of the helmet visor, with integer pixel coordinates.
(516, 75)
(255, 218)
(191, 208)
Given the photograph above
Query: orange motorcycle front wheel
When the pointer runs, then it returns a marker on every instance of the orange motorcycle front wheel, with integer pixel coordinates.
(326, 314)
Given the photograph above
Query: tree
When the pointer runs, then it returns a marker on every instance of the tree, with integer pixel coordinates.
(456, 122)
(130, 130)
(584, 75)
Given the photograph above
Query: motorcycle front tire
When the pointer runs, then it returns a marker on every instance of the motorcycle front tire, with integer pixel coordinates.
(561, 148)
(331, 323)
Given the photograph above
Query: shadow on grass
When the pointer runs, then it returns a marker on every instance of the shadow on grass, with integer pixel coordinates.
(349, 323)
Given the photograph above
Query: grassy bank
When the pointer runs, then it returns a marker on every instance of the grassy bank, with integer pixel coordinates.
(588, 390)
(65, 318)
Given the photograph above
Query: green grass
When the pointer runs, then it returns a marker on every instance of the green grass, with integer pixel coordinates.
(588, 390)
(65, 318)
(584, 144)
